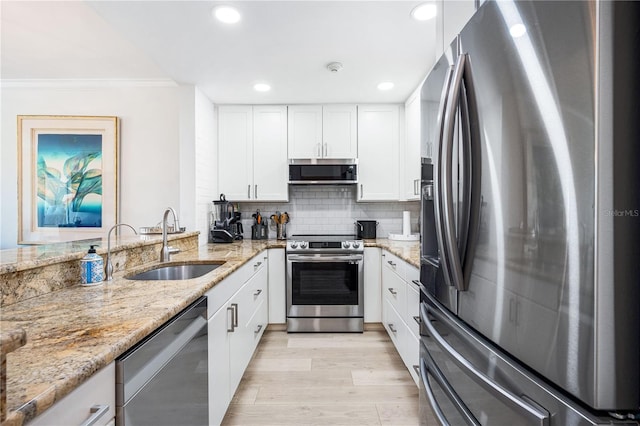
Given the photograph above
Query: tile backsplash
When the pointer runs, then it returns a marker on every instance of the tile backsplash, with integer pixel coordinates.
(318, 209)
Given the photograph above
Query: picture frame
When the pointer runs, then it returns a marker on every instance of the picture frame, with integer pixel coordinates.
(67, 177)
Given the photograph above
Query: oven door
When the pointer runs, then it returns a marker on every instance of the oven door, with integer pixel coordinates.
(325, 285)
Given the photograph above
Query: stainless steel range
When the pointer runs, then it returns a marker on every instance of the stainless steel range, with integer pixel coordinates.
(325, 283)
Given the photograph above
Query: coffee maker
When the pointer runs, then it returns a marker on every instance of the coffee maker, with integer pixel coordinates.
(224, 222)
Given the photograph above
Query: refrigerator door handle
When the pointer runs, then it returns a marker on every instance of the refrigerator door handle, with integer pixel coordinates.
(508, 398)
(438, 177)
(456, 275)
(434, 371)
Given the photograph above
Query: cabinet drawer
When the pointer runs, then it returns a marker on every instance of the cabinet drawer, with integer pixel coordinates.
(412, 317)
(74, 409)
(394, 289)
(393, 263)
(394, 325)
(411, 355)
(259, 323)
(256, 291)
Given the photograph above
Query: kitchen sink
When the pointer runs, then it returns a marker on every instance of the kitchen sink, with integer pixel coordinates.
(176, 271)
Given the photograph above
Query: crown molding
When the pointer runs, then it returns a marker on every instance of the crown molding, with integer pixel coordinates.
(86, 83)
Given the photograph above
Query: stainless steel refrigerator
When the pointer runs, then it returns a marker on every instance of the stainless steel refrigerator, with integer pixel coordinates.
(530, 260)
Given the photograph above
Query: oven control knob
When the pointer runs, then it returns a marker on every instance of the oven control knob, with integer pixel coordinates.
(294, 245)
(303, 245)
(356, 245)
(346, 244)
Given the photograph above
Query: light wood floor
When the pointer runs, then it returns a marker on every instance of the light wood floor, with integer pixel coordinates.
(325, 379)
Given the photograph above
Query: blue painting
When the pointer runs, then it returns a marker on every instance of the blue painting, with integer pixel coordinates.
(69, 180)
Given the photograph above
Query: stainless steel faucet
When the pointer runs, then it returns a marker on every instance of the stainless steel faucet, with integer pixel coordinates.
(165, 252)
(109, 267)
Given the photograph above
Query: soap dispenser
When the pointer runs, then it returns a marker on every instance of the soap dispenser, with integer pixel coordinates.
(91, 268)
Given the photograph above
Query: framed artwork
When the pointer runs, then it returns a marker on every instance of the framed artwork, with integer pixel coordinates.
(67, 177)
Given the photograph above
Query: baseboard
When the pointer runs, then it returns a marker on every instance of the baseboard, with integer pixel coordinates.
(368, 326)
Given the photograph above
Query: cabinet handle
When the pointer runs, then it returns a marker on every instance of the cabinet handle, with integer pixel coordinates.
(392, 328)
(416, 368)
(249, 191)
(235, 314)
(232, 329)
(417, 319)
(255, 192)
(257, 264)
(96, 411)
(361, 191)
(416, 187)
(258, 329)
(257, 293)
(326, 150)
(391, 263)
(392, 291)
(319, 150)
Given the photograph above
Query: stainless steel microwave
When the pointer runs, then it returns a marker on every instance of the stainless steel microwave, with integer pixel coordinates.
(323, 171)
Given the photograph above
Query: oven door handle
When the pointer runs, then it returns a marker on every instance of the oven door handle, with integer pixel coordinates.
(324, 258)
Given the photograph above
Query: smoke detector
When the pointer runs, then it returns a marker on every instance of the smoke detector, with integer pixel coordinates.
(334, 67)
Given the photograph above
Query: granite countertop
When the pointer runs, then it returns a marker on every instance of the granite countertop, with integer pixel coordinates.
(35, 256)
(73, 333)
(409, 251)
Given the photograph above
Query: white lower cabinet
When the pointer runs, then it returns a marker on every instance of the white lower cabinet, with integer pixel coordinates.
(400, 307)
(372, 295)
(235, 328)
(94, 400)
(277, 282)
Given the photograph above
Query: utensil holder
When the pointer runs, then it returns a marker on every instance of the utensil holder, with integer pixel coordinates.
(259, 232)
(281, 231)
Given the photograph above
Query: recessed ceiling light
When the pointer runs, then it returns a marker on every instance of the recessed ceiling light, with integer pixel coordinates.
(226, 14)
(385, 85)
(424, 12)
(517, 30)
(262, 87)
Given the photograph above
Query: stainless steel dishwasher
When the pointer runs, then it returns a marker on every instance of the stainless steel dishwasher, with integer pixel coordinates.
(163, 380)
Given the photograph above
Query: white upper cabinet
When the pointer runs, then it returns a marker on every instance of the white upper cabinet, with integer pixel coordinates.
(378, 141)
(235, 151)
(270, 165)
(252, 153)
(305, 131)
(410, 173)
(322, 131)
(339, 131)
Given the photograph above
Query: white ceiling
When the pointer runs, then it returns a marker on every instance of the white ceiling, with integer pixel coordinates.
(284, 43)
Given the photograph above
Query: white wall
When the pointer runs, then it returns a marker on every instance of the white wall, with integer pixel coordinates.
(206, 162)
(149, 143)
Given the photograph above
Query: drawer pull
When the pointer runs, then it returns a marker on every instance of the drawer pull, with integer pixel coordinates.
(258, 329)
(392, 328)
(96, 411)
(232, 328)
(416, 368)
(392, 291)
(417, 319)
(391, 263)
(257, 264)
(257, 293)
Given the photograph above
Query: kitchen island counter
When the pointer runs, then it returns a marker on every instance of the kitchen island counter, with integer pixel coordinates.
(74, 332)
